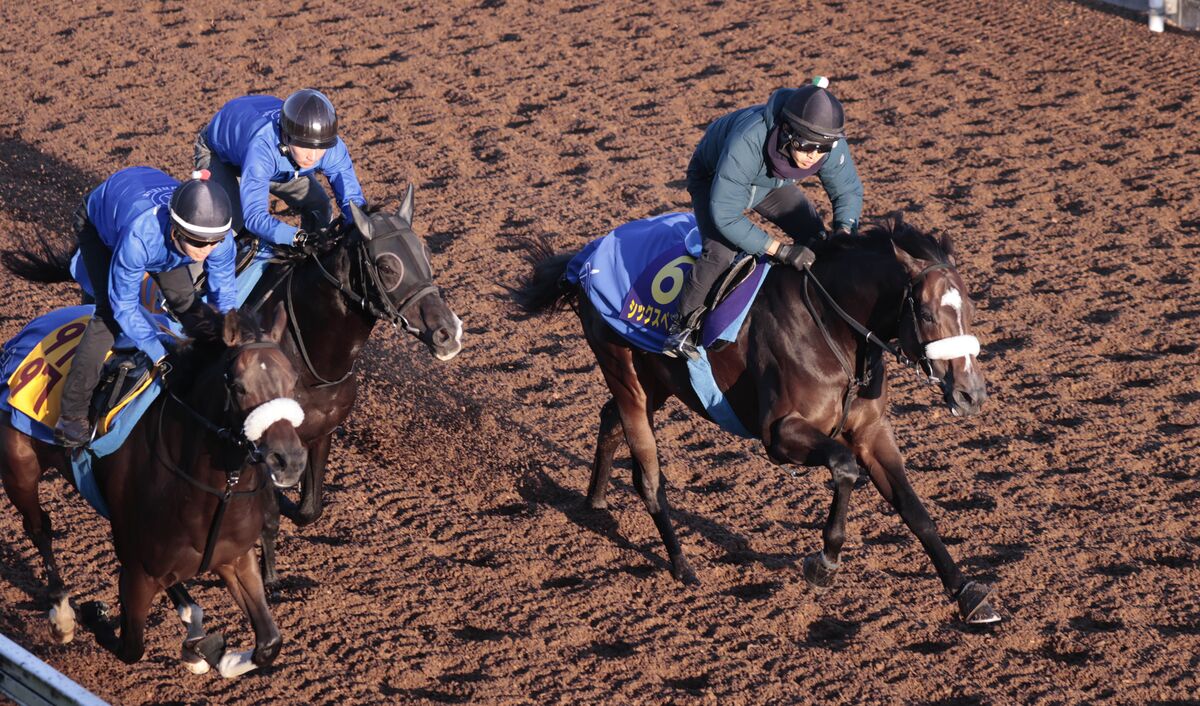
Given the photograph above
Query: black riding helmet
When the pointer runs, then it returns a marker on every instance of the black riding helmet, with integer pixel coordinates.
(200, 208)
(814, 115)
(308, 120)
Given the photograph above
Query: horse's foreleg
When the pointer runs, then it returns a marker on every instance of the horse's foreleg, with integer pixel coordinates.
(270, 534)
(877, 448)
(245, 585)
(199, 649)
(608, 440)
(313, 486)
(137, 591)
(797, 441)
(21, 473)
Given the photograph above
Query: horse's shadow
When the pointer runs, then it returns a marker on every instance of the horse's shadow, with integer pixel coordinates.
(538, 488)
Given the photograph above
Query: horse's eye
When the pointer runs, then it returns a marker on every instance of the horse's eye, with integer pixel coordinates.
(926, 315)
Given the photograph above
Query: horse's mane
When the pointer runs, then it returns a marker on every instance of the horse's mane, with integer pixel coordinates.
(879, 236)
(196, 358)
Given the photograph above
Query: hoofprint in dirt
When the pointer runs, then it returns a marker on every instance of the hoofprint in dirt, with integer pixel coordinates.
(1056, 143)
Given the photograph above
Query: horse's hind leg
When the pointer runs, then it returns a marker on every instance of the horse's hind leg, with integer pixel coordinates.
(796, 441)
(21, 471)
(636, 407)
(245, 585)
(878, 450)
(607, 442)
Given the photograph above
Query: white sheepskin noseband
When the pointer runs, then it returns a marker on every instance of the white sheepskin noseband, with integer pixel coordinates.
(267, 413)
(953, 347)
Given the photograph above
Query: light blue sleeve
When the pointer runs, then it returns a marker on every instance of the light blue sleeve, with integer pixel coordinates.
(221, 267)
(255, 192)
(339, 170)
(125, 276)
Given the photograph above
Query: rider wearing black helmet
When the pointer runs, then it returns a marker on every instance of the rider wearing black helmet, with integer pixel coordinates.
(141, 222)
(752, 159)
(260, 145)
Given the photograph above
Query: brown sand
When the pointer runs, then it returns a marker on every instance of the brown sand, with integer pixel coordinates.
(1056, 141)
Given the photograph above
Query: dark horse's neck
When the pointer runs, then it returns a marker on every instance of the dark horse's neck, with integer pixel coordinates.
(332, 329)
(864, 279)
(208, 397)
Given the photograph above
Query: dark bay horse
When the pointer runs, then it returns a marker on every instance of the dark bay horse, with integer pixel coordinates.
(189, 488)
(805, 379)
(335, 292)
(375, 268)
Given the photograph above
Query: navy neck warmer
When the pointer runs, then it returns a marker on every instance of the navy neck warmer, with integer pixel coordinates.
(781, 166)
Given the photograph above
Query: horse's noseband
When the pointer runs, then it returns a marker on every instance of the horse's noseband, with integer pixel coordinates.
(948, 348)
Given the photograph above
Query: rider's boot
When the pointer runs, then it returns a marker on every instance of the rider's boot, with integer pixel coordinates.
(680, 334)
(72, 431)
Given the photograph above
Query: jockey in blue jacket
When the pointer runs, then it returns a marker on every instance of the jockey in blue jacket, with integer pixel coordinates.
(260, 145)
(141, 222)
(752, 159)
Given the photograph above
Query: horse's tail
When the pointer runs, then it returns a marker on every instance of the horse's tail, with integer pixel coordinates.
(544, 288)
(45, 263)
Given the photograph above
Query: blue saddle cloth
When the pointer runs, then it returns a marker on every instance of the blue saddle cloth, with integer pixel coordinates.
(15, 352)
(633, 277)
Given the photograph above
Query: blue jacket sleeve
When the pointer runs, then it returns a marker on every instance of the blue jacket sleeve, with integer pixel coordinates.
(840, 179)
(220, 266)
(339, 170)
(124, 294)
(731, 196)
(255, 195)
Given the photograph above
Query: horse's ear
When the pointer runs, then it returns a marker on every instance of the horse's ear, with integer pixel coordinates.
(406, 209)
(911, 264)
(278, 324)
(948, 248)
(232, 331)
(362, 221)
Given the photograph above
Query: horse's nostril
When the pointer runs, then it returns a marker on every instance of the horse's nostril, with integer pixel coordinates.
(441, 336)
(276, 461)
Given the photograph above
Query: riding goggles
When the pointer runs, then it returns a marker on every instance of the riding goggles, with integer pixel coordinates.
(789, 140)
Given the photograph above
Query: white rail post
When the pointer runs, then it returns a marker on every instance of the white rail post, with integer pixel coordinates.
(31, 682)
(1157, 16)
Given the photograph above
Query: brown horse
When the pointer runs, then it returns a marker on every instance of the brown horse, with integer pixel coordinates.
(806, 376)
(188, 490)
(374, 268)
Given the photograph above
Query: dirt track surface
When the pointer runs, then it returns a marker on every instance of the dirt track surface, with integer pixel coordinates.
(1057, 143)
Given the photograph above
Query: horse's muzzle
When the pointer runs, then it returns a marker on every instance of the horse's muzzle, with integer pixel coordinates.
(286, 467)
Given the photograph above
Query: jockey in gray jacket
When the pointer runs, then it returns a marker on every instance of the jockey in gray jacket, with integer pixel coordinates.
(752, 159)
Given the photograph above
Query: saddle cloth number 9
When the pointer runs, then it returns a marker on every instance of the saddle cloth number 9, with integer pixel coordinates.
(36, 386)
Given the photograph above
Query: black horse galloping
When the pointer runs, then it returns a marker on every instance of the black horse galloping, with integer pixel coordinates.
(805, 375)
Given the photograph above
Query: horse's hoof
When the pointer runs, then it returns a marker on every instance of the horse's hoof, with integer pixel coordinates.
(818, 570)
(207, 649)
(973, 605)
(235, 664)
(681, 570)
(62, 622)
(597, 503)
(195, 664)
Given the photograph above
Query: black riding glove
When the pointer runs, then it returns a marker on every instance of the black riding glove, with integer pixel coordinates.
(797, 256)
